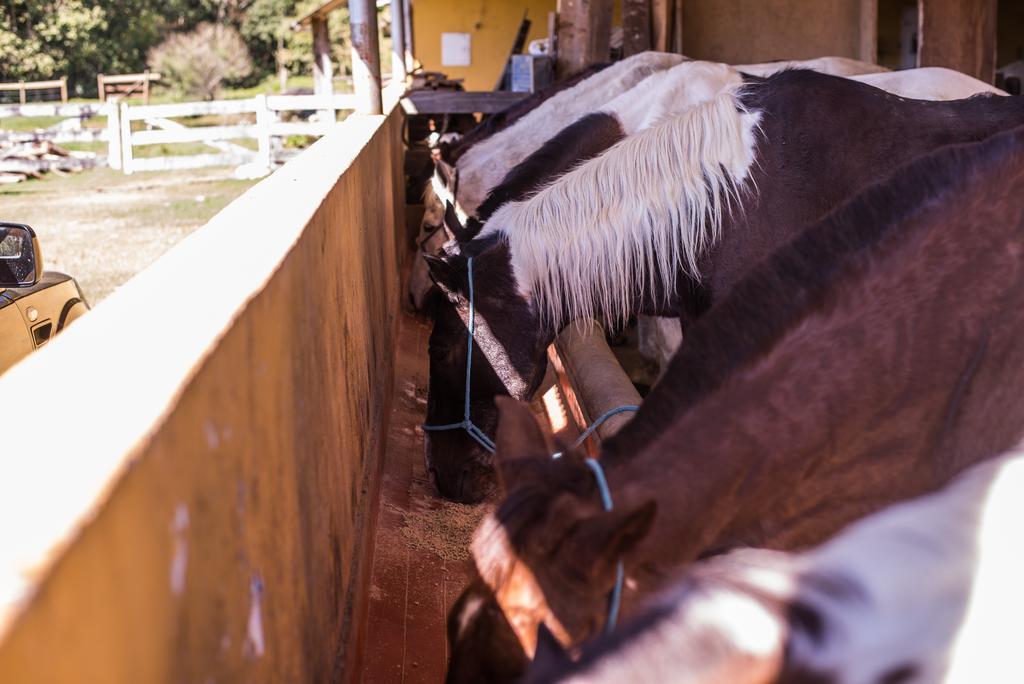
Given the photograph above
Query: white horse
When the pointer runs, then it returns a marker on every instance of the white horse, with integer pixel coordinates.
(835, 66)
(929, 83)
(925, 591)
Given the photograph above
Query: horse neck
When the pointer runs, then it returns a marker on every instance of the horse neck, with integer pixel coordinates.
(764, 456)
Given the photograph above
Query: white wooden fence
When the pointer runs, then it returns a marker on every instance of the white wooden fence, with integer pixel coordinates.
(267, 109)
(162, 129)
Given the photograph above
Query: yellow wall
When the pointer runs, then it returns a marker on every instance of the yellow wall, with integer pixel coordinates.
(185, 500)
(492, 25)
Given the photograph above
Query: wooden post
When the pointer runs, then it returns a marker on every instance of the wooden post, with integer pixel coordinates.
(584, 34)
(958, 34)
(145, 86)
(661, 25)
(362, 16)
(398, 72)
(21, 91)
(677, 28)
(64, 89)
(264, 119)
(100, 89)
(869, 31)
(410, 53)
(636, 27)
(126, 138)
(114, 133)
(323, 71)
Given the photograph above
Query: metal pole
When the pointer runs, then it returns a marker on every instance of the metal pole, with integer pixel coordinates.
(365, 56)
(410, 47)
(323, 74)
(397, 40)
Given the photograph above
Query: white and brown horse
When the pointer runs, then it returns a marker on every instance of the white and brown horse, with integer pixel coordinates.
(663, 223)
(866, 362)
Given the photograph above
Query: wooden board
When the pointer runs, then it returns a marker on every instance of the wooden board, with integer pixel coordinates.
(453, 102)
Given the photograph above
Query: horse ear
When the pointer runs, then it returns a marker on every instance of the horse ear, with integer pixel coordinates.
(603, 540)
(519, 441)
(447, 173)
(550, 652)
(442, 272)
(454, 227)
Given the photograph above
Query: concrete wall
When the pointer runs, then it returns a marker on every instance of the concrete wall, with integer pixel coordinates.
(182, 499)
(742, 32)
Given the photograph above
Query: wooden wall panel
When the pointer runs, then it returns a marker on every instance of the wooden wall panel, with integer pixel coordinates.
(742, 32)
(959, 34)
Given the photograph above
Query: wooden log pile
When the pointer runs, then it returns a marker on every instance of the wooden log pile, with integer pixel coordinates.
(22, 160)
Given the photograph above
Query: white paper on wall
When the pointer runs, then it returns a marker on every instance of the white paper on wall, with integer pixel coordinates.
(455, 49)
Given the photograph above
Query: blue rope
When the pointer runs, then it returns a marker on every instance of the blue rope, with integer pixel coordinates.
(467, 423)
(601, 419)
(615, 598)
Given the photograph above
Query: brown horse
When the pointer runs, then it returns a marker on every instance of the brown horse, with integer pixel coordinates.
(866, 362)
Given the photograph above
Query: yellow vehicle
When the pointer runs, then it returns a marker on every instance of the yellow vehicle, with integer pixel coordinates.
(34, 306)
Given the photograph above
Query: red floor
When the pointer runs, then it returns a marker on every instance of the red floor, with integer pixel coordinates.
(412, 586)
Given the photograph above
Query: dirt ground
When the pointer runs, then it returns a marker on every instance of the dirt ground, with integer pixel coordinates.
(103, 227)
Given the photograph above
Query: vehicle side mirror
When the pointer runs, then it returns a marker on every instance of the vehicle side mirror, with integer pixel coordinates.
(21, 262)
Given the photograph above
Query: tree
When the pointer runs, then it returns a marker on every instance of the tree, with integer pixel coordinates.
(197, 63)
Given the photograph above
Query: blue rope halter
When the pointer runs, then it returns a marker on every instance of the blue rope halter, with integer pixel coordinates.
(467, 424)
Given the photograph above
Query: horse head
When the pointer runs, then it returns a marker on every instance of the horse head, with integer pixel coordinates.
(487, 341)
(548, 555)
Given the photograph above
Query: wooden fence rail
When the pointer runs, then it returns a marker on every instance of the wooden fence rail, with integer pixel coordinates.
(24, 86)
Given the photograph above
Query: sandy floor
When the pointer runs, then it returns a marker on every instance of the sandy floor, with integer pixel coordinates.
(103, 227)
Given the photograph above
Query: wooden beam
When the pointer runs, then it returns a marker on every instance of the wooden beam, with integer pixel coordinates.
(636, 27)
(362, 16)
(453, 102)
(958, 34)
(584, 34)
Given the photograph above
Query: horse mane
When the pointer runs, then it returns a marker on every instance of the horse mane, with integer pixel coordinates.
(610, 229)
(796, 279)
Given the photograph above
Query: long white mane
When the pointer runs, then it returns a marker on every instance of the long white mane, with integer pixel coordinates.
(590, 242)
(486, 163)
